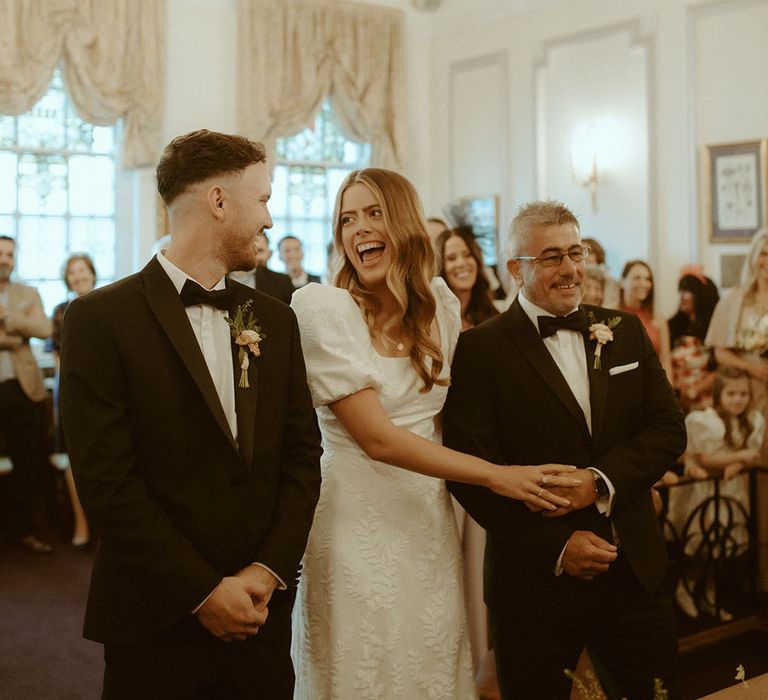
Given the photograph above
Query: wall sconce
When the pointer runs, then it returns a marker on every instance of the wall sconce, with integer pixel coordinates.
(600, 150)
(584, 163)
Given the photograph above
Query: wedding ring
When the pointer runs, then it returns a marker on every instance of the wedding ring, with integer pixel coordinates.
(539, 493)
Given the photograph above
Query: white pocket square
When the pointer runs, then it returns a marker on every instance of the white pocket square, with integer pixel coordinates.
(619, 369)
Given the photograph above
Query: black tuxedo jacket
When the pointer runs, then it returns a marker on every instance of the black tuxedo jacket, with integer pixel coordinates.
(510, 404)
(175, 503)
(276, 284)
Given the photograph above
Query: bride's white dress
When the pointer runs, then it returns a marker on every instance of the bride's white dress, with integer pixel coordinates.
(379, 613)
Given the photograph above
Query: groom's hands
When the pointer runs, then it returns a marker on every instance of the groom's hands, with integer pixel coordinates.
(230, 613)
(237, 608)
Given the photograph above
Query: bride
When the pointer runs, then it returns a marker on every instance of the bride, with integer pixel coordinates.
(380, 610)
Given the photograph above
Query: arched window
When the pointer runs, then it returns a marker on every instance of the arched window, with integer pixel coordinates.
(57, 191)
(309, 168)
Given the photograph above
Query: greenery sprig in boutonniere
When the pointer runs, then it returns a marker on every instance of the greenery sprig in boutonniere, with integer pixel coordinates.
(246, 334)
(602, 332)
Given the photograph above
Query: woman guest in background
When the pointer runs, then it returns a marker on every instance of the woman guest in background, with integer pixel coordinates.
(636, 296)
(739, 334)
(80, 278)
(461, 265)
(379, 611)
(693, 364)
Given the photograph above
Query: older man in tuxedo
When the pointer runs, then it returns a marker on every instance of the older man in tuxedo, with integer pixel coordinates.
(195, 452)
(552, 381)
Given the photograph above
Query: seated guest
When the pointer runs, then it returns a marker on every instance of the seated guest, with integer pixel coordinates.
(291, 252)
(693, 364)
(80, 278)
(275, 284)
(636, 296)
(21, 392)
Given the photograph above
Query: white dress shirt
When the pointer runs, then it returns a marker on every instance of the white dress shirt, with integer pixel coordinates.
(570, 356)
(213, 335)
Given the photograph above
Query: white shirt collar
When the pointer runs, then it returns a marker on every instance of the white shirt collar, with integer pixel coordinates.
(533, 312)
(178, 276)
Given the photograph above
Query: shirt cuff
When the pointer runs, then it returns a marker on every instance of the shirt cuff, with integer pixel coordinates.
(605, 504)
(280, 583)
(205, 600)
(559, 562)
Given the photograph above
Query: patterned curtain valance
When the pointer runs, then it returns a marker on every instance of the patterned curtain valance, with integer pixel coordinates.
(113, 63)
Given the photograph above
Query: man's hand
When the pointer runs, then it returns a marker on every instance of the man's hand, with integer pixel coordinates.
(263, 584)
(230, 613)
(581, 496)
(586, 555)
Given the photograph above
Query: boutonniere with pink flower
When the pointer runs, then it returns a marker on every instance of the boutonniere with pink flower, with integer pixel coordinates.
(247, 335)
(602, 332)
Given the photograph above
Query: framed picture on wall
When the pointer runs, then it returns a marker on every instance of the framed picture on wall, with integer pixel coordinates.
(483, 214)
(737, 189)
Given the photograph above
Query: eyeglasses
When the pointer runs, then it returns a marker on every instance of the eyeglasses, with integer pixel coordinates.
(577, 254)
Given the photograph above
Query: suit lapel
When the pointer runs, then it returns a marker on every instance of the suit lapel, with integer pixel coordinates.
(598, 387)
(528, 340)
(246, 400)
(165, 303)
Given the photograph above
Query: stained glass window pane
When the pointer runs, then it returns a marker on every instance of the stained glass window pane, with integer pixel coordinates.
(97, 238)
(41, 247)
(311, 166)
(43, 126)
(7, 226)
(57, 191)
(42, 182)
(91, 186)
(7, 130)
(7, 183)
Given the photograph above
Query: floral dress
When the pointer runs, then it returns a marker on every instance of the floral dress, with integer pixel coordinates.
(380, 610)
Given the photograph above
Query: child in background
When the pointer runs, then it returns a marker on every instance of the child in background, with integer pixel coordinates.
(723, 440)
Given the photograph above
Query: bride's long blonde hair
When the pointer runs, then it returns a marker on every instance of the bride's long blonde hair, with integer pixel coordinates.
(408, 277)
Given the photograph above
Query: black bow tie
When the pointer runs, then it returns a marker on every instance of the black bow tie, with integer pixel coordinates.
(549, 325)
(192, 293)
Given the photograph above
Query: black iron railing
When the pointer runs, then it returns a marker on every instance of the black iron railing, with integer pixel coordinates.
(711, 529)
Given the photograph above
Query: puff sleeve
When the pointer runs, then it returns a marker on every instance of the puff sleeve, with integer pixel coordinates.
(448, 315)
(335, 341)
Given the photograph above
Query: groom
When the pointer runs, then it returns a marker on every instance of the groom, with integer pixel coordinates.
(533, 386)
(201, 489)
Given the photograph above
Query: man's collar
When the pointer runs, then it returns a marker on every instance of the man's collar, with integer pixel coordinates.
(178, 276)
(532, 311)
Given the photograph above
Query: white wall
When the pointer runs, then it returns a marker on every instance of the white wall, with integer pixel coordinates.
(495, 91)
(671, 75)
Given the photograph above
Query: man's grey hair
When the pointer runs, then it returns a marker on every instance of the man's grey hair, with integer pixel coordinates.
(532, 216)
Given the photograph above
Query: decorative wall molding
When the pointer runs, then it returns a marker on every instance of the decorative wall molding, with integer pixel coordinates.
(695, 13)
(500, 60)
(641, 34)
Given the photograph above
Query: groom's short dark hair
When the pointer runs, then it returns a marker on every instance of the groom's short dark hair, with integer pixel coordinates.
(199, 155)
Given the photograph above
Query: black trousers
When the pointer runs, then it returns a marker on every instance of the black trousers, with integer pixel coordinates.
(630, 635)
(21, 422)
(191, 664)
